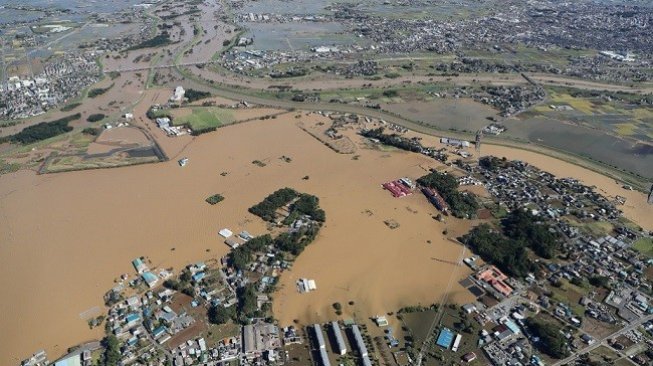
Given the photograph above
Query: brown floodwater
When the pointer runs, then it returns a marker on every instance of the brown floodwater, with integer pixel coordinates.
(65, 238)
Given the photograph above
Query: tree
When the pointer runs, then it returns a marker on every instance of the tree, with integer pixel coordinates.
(185, 276)
(523, 227)
(462, 204)
(246, 302)
(111, 350)
(42, 131)
(220, 315)
(172, 284)
(552, 342)
(96, 117)
(507, 254)
(600, 281)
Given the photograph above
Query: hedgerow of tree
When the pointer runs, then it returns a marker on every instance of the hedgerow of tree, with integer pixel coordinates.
(42, 131)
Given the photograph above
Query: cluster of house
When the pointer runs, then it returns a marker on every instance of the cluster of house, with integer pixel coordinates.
(518, 184)
(61, 79)
(609, 259)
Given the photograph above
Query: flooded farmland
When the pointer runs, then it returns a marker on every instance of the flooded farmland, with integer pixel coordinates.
(593, 143)
(95, 222)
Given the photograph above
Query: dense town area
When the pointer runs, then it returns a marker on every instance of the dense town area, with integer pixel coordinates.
(567, 30)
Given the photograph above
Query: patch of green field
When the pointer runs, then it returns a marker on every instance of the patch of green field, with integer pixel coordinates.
(205, 117)
(570, 294)
(6, 168)
(594, 228)
(216, 333)
(582, 105)
(623, 362)
(629, 224)
(81, 141)
(603, 353)
(644, 246)
(625, 129)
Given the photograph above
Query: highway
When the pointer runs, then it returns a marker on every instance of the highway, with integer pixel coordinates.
(602, 341)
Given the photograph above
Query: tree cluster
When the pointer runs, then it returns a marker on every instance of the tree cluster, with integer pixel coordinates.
(267, 208)
(95, 117)
(507, 254)
(194, 95)
(552, 342)
(306, 205)
(241, 257)
(201, 131)
(42, 131)
(295, 242)
(98, 91)
(493, 163)
(160, 40)
(219, 314)
(507, 248)
(111, 350)
(247, 300)
(215, 199)
(524, 228)
(393, 140)
(461, 204)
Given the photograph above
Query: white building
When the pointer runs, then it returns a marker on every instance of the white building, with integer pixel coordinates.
(178, 95)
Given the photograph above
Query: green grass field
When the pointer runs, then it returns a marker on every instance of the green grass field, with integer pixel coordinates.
(644, 246)
(205, 117)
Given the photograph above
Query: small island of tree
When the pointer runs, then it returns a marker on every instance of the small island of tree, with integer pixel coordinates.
(215, 199)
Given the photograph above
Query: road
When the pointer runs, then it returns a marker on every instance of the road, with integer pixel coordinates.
(602, 341)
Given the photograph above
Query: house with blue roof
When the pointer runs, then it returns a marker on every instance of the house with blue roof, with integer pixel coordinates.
(156, 333)
(445, 338)
(132, 319)
(139, 266)
(74, 359)
(150, 278)
(197, 277)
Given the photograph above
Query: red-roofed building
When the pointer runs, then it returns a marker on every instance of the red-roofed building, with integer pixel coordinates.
(495, 278)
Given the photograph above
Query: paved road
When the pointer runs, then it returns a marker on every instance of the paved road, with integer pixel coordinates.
(600, 342)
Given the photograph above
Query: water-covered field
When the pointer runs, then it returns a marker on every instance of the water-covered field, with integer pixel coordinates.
(620, 152)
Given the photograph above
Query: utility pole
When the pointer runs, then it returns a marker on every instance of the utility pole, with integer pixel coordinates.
(479, 136)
